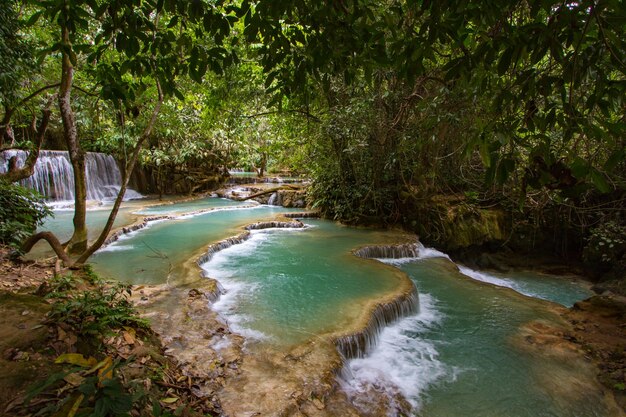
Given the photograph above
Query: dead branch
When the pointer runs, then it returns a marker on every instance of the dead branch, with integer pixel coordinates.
(272, 190)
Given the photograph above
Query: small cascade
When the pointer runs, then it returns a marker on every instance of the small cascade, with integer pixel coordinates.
(296, 224)
(406, 250)
(221, 245)
(54, 175)
(357, 345)
(303, 215)
(133, 228)
(273, 200)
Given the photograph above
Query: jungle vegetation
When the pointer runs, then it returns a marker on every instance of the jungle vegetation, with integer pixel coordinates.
(384, 105)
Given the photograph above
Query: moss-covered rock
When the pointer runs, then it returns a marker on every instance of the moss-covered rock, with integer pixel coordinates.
(453, 223)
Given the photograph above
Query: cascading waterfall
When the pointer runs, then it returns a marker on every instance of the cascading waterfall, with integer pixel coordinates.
(303, 215)
(356, 345)
(406, 250)
(273, 200)
(242, 237)
(296, 224)
(221, 245)
(54, 177)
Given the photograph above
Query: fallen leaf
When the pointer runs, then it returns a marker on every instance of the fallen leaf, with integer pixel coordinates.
(129, 337)
(106, 370)
(77, 403)
(169, 400)
(74, 379)
(77, 359)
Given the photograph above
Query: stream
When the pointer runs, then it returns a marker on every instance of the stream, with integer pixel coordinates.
(460, 355)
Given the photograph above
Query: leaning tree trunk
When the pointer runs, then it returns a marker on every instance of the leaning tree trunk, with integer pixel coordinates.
(6, 133)
(78, 242)
(128, 169)
(16, 174)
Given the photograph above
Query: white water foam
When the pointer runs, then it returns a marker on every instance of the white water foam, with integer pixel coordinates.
(402, 362)
(422, 253)
(426, 253)
(218, 268)
(118, 244)
(501, 282)
(202, 212)
(116, 248)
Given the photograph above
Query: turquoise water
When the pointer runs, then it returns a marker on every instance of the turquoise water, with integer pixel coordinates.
(290, 285)
(458, 357)
(61, 223)
(559, 289)
(189, 206)
(157, 254)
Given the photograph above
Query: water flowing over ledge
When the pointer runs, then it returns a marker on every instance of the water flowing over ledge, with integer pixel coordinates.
(357, 344)
(216, 247)
(275, 224)
(133, 228)
(53, 176)
(303, 215)
(405, 250)
(146, 220)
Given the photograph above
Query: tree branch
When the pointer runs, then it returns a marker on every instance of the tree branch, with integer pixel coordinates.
(128, 169)
(54, 243)
(15, 174)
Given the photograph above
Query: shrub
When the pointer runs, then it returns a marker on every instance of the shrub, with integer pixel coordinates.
(606, 246)
(21, 211)
(94, 311)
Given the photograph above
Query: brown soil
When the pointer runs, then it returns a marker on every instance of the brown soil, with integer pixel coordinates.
(30, 343)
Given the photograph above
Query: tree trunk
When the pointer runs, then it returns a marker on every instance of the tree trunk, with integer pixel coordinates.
(16, 174)
(78, 242)
(7, 131)
(128, 169)
(54, 244)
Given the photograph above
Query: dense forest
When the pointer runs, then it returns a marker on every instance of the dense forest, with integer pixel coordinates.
(494, 131)
(428, 115)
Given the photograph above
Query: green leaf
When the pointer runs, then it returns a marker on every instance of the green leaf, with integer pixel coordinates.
(485, 155)
(173, 22)
(599, 181)
(580, 167)
(505, 61)
(178, 94)
(169, 400)
(613, 160)
(34, 18)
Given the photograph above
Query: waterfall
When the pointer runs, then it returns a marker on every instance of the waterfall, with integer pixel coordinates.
(296, 224)
(221, 245)
(357, 345)
(133, 228)
(54, 177)
(272, 200)
(303, 215)
(406, 250)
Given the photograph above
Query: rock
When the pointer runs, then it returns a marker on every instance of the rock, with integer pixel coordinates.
(318, 404)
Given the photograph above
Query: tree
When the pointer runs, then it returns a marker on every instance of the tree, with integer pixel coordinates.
(135, 45)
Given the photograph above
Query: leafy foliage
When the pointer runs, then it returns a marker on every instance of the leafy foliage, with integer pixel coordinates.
(95, 390)
(21, 211)
(15, 56)
(606, 244)
(93, 311)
